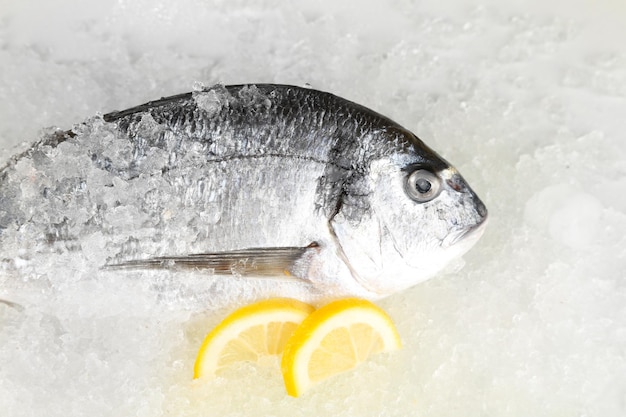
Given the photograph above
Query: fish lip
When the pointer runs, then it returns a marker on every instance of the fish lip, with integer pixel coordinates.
(474, 233)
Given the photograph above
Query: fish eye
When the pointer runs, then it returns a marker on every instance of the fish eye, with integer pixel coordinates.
(422, 185)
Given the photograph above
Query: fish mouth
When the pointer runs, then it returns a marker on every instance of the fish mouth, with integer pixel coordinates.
(471, 234)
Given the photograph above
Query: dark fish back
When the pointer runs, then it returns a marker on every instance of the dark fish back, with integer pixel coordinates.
(264, 119)
(228, 123)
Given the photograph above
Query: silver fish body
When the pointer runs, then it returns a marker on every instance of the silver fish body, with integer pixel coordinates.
(263, 189)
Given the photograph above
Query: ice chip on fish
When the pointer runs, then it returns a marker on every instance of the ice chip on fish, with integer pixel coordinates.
(295, 192)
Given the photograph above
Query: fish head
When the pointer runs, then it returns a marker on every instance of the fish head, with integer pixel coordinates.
(421, 214)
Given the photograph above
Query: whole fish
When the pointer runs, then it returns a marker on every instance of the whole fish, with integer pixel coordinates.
(264, 189)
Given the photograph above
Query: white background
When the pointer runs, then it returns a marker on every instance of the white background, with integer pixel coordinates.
(527, 99)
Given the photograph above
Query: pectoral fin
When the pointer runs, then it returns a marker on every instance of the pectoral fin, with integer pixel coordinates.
(262, 262)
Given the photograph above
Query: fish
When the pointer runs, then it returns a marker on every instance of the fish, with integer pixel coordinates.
(263, 189)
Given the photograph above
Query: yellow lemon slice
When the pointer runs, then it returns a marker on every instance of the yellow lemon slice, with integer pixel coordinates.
(250, 333)
(334, 339)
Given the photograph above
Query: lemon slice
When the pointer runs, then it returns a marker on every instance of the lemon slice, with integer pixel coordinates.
(249, 334)
(334, 339)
